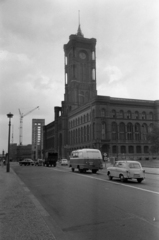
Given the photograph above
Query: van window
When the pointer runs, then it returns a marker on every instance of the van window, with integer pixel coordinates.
(93, 154)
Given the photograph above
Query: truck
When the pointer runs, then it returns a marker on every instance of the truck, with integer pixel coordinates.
(50, 159)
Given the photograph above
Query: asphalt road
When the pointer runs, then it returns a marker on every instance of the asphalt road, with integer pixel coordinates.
(89, 206)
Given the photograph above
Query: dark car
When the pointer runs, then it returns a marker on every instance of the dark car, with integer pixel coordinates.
(26, 162)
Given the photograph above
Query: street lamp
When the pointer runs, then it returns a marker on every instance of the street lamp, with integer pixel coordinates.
(9, 115)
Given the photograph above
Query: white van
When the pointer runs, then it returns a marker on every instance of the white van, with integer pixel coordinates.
(86, 159)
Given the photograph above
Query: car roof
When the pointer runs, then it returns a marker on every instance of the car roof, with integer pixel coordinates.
(128, 161)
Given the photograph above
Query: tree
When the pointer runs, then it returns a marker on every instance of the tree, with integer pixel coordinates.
(153, 138)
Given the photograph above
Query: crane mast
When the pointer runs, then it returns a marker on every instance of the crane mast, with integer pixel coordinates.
(21, 124)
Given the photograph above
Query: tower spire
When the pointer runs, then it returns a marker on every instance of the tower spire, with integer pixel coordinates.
(79, 32)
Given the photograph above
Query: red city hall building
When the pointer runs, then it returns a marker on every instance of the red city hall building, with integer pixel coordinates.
(116, 126)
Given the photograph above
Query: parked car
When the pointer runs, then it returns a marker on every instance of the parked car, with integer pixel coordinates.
(64, 161)
(39, 162)
(126, 170)
(26, 162)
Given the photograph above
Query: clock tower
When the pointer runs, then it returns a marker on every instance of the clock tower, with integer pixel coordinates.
(80, 70)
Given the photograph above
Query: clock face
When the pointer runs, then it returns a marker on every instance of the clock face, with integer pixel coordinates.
(82, 55)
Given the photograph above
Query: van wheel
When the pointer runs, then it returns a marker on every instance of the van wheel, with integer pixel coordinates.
(73, 169)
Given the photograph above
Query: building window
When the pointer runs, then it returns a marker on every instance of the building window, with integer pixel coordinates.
(144, 131)
(137, 132)
(121, 114)
(113, 113)
(131, 149)
(82, 135)
(143, 115)
(138, 149)
(93, 114)
(129, 116)
(146, 149)
(129, 131)
(136, 115)
(78, 135)
(122, 131)
(114, 131)
(123, 149)
(85, 134)
(93, 131)
(88, 138)
(103, 130)
(103, 112)
(151, 115)
(114, 149)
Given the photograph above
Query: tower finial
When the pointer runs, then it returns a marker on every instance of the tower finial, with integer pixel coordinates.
(79, 32)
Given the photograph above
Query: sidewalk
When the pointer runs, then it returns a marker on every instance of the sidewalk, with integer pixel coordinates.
(20, 219)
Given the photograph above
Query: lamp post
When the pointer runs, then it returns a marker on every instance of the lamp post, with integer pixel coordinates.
(9, 115)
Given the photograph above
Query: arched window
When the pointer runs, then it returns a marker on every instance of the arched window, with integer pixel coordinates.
(137, 132)
(136, 115)
(103, 112)
(122, 134)
(103, 130)
(78, 135)
(81, 134)
(121, 114)
(143, 115)
(129, 115)
(88, 137)
(144, 131)
(93, 131)
(113, 113)
(129, 131)
(151, 115)
(114, 130)
(85, 134)
(93, 113)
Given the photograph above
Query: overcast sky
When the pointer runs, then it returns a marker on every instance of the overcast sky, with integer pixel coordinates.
(33, 33)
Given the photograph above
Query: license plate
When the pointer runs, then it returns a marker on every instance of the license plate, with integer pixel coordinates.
(136, 175)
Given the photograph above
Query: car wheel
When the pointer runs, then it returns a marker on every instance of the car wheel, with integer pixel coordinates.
(122, 179)
(139, 180)
(73, 169)
(94, 170)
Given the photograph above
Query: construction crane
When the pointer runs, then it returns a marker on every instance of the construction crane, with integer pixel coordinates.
(21, 124)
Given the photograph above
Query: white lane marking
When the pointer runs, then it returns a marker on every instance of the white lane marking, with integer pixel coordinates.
(104, 180)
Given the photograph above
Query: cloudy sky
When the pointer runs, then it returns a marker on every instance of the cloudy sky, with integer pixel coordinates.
(33, 33)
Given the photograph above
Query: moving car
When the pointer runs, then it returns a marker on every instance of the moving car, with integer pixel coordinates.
(26, 162)
(64, 161)
(126, 170)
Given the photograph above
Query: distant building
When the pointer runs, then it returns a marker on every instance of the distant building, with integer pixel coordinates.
(24, 151)
(13, 152)
(37, 138)
(116, 126)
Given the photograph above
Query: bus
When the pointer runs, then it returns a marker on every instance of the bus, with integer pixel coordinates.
(86, 159)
